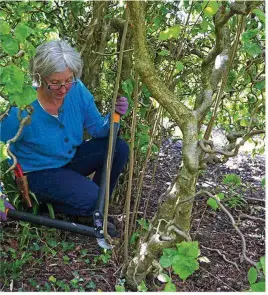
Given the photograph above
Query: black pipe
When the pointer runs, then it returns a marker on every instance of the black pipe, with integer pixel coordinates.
(59, 224)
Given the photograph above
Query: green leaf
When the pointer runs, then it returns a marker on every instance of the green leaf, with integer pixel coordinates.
(24, 98)
(167, 258)
(211, 8)
(249, 34)
(204, 25)
(252, 49)
(52, 279)
(243, 123)
(4, 27)
(128, 87)
(164, 52)
(133, 238)
(119, 288)
(220, 196)
(259, 85)
(172, 32)
(232, 179)
(188, 249)
(260, 14)
(258, 287)
(179, 66)
(170, 287)
(143, 223)
(252, 275)
(185, 266)
(2, 205)
(262, 261)
(22, 31)
(10, 45)
(3, 152)
(263, 182)
(142, 287)
(213, 204)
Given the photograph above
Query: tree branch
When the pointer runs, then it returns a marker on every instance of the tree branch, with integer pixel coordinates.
(233, 224)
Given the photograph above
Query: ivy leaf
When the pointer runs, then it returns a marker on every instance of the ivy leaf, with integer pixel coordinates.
(170, 287)
(260, 14)
(22, 31)
(252, 275)
(172, 32)
(168, 256)
(10, 45)
(4, 27)
(258, 287)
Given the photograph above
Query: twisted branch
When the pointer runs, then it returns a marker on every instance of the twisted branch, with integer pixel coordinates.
(233, 224)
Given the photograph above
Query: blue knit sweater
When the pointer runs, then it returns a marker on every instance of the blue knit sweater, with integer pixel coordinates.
(50, 142)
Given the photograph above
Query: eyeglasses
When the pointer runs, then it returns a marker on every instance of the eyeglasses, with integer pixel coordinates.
(55, 87)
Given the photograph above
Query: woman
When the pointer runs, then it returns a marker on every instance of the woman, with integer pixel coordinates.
(51, 149)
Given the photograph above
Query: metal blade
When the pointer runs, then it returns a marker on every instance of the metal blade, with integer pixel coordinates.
(103, 244)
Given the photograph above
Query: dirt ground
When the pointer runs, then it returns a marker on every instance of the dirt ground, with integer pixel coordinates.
(73, 265)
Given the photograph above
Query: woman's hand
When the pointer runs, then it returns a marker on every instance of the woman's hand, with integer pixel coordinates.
(121, 106)
(3, 206)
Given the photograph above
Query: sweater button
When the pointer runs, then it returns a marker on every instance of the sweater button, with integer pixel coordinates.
(61, 126)
(70, 152)
(66, 139)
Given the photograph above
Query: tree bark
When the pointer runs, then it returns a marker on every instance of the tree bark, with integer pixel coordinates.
(171, 224)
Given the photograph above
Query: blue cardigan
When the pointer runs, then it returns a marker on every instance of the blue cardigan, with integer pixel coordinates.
(50, 142)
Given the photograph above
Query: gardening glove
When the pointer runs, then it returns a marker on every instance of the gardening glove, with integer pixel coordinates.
(121, 105)
(3, 206)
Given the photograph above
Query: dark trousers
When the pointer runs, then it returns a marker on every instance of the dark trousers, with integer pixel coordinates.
(68, 189)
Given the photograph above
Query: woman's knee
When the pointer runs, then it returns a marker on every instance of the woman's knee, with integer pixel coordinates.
(122, 149)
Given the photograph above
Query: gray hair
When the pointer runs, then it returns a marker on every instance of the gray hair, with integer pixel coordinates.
(55, 56)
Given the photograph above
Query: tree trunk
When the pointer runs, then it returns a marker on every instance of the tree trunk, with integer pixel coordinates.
(171, 223)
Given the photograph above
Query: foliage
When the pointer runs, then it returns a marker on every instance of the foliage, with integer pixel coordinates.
(178, 51)
(256, 276)
(183, 260)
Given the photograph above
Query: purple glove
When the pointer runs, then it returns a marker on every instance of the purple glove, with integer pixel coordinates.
(3, 216)
(121, 106)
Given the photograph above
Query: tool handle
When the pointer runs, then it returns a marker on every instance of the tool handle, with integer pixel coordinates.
(101, 196)
(59, 224)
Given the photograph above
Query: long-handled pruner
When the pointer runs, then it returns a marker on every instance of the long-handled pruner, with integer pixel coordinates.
(95, 231)
(99, 209)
